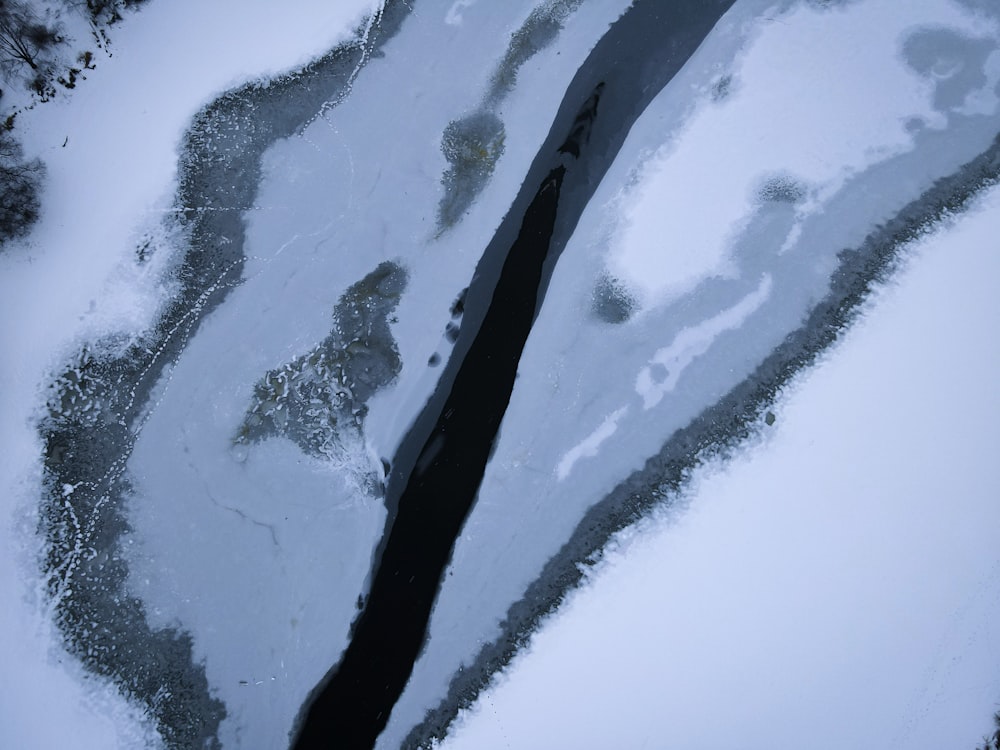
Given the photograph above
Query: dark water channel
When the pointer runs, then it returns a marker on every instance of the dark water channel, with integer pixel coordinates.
(97, 405)
(439, 466)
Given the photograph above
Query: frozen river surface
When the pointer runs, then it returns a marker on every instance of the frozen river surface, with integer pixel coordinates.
(454, 304)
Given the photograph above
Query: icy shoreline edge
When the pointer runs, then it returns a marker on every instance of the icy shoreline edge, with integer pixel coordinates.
(96, 408)
(718, 430)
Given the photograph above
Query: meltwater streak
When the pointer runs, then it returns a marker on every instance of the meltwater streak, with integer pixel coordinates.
(439, 465)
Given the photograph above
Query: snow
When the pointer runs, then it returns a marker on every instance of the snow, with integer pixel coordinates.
(836, 580)
(591, 445)
(723, 216)
(788, 127)
(454, 15)
(667, 366)
(75, 277)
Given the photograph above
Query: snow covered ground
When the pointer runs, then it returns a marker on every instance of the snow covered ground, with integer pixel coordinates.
(835, 584)
(852, 599)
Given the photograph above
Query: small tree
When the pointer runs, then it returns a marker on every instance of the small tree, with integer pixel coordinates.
(24, 40)
(992, 742)
(20, 183)
(108, 12)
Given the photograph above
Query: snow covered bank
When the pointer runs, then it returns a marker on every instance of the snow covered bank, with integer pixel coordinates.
(76, 277)
(836, 580)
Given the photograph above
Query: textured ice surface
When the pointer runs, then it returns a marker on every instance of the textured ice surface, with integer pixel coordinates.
(254, 487)
(263, 444)
(319, 400)
(723, 216)
(840, 564)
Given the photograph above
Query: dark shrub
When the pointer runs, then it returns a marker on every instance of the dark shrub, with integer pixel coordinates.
(20, 183)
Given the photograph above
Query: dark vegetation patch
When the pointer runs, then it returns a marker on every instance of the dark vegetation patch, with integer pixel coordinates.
(992, 741)
(107, 12)
(36, 55)
(20, 185)
(29, 45)
(320, 398)
(474, 144)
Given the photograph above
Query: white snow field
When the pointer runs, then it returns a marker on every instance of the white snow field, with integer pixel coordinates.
(834, 580)
(834, 584)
